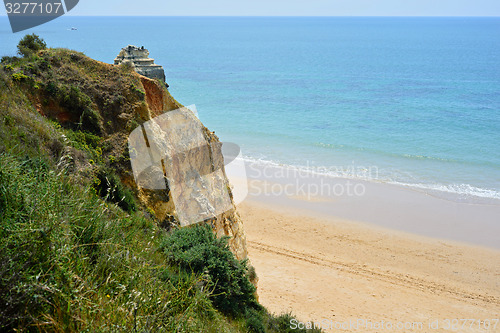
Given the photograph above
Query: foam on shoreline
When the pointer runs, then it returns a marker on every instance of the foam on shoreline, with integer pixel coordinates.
(392, 206)
(454, 192)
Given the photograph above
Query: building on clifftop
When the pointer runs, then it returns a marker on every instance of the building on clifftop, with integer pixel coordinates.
(138, 57)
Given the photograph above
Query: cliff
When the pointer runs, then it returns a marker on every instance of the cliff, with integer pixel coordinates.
(104, 103)
(226, 224)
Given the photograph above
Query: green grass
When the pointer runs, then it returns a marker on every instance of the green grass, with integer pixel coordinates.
(71, 262)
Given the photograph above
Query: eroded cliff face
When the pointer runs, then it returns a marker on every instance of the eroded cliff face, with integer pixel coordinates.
(210, 183)
(158, 98)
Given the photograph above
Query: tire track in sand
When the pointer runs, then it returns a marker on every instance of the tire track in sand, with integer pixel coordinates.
(402, 280)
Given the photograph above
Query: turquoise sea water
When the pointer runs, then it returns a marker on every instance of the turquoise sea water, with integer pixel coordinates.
(417, 98)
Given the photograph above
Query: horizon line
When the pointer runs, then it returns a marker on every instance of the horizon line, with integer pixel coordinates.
(290, 16)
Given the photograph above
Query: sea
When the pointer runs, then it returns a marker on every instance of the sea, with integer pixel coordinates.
(417, 99)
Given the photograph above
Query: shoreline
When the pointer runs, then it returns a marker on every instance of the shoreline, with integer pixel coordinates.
(390, 206)
(439, 190)
(329, 268)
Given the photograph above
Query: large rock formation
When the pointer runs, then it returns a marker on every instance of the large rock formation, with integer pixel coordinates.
(227, 223)
(138, 57)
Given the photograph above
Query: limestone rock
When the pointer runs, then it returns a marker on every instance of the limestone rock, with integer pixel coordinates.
(229, 222)
(138, 57)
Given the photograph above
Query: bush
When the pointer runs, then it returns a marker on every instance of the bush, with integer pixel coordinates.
(6, 60)
(9, 60)
(254, 322)
(282, 323)
(78, 104)
(85, 141)
(8, 68)
(30, 44)
(196, 249)
(51, 89)
(109, 186)
(20, 77)
(43, 65)
(70, 264)
(73, 99)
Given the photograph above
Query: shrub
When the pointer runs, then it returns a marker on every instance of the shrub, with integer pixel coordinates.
(254, 323)
(138, 92)
(89, 120)
(30, 44)
(43, 65)
(20, 77)
(51, 89)
(282, 323)
(109, 186)
(78, 104)
(196, 249)
(8, 68)
(6, 60)
(73, 99)
(85, 140)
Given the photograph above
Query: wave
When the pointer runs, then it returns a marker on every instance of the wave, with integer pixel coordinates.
(458, 192)
(462, 190)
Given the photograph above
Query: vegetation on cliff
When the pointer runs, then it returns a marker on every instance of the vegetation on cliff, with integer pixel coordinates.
(79, 252)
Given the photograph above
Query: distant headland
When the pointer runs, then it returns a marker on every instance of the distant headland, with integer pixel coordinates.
(138, 57)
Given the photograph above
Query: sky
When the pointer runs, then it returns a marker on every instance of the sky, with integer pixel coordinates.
(290, 7)
(287, 7)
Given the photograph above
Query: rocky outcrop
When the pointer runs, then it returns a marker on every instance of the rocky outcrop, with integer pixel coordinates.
(157, 97)
(213, 184)
(138, 58)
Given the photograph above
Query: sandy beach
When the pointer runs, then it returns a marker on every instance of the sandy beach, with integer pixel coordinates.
(338, 270)
(388, 256)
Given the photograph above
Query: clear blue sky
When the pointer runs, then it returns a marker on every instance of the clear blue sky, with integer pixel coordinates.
(288, 7)
(291, 7)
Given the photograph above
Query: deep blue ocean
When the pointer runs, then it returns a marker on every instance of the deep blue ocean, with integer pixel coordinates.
(417, 98)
